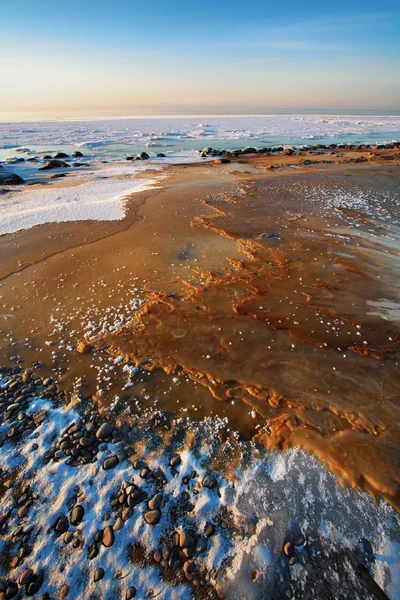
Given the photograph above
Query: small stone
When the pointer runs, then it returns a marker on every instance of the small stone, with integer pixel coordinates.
(155, 502)
(159, 474)
(23, 511)
(152, 517)
(188, 569)
(157, 556)
(99, 574)
(108, 537)
(33, 588)
(12, 590)
(185, 540)
(144, 473)
(64, 591)
(209, 530)
(77, 515)
(288, 549)
(119, 523)
(68, 536)
(104, 431)
(201, 546)
(61, 525)
(110, 462)
(175, 460)
(25, 577)
(209, 481)
(93, 552)
(127, 513)
(130, 593)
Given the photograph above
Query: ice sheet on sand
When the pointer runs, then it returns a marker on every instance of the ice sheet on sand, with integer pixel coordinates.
(387, 309)
(101, 199)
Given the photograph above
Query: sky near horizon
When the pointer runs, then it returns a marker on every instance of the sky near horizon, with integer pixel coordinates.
(159, 57)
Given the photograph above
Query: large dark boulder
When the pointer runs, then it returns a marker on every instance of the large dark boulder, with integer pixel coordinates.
(143, 156)
(7, 178)
(61, 155)
(54, 164)
(77, 154)
(249, 150)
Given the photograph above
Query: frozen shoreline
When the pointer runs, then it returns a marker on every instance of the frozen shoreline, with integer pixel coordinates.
(142, 130)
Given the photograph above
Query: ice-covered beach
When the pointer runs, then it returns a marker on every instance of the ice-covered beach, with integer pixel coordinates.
(163, 319)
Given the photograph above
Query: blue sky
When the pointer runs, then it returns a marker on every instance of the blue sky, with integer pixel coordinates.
(189, 56)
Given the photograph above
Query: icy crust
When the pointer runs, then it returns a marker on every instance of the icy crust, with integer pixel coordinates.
(271, 500)
(93, 200)
(157, 131)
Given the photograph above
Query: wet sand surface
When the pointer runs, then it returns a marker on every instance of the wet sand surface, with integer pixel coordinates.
(269, 297)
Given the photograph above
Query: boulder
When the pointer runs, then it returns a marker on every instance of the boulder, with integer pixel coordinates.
(77, 154)
(160, 155)
(61, 155)
(249, 150)
(143, 156)
(221, 161)
(54, 164)
(7, 178)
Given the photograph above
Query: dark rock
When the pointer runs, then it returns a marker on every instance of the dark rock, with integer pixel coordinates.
(111, 462)
(249, 150)
(155, 502)
(143, 156)
(152, 517)
(209, 529)
(61, 155)
(12, 590)
(186, 540)
(77, 515)
(77, 154)
(105, 431)
(7, 178)
(33, 588)
(201, 546)
(288, 549)
(62, 525)
(68, 537)
(25, 577)
(175, 460)
(54, 164)
(108, 537)
(209, 481)
(160, 155)
(99, 574)
(23, 511)
(130, 593)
